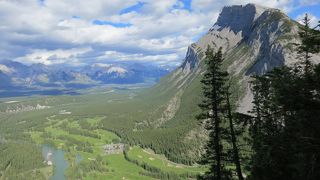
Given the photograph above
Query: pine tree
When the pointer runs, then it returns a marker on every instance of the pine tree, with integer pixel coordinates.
(305, 48)
(310, 37)
(218, 116)
(212, 112)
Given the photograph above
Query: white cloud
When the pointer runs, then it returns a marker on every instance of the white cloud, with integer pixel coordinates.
(87, 9)
(50, 34)
(55, 56)
(114, 55)
(215, 5)
(308, 2)
(158, 7)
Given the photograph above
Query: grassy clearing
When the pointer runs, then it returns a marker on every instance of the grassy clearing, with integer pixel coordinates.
(121, 169)
(161, 162)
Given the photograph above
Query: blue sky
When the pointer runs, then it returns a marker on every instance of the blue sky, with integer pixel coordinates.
(81, 32)
(134, 8)
(115, 24)
(310, 7)
(313, 9)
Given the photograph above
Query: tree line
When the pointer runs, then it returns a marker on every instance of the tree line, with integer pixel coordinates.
(17, 158)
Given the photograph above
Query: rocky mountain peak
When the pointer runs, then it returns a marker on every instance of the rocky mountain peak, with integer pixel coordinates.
(249, 25)
(238, 18)
(234, 23)
(254, 40)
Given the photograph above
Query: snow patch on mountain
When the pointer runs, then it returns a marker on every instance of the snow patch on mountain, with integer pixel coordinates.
(6, 69)
(101, 65)
(116, 69)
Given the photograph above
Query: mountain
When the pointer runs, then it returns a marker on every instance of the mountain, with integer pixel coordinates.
(254, 40)
(110, 73)
(124, 73)
(37, 76)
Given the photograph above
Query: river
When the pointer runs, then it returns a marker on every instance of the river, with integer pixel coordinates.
(58, 160)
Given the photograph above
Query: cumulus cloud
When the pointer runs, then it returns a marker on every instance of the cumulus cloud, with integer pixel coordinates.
(159, 59)
(58, 56)
(59, 31)
(215, 5)
(308, 2)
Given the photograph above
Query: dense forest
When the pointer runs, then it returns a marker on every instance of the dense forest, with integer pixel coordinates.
(17, 158)
(283, 125)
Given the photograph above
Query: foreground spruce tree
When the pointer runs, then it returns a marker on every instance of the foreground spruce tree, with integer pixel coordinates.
(216, 114)
(233, 135)
(212, 109)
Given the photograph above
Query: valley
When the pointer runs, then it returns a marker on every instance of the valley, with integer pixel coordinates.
(78, 127)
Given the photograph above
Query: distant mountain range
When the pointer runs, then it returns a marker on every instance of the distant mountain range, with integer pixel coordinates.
(36, 76)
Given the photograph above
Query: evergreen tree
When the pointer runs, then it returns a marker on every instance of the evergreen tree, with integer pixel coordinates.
(218, 117)
(233, 135)
(310, 43)
(306, 47)
(212, 111)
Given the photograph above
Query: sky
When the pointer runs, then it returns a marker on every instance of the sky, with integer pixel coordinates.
(82, 32)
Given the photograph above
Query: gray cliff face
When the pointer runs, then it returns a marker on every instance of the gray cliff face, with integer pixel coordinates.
(268, 40)
(191, 59)
(239, 18)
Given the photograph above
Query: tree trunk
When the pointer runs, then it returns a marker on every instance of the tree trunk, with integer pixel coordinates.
(217, 148)
(234, 141)
(217, 134)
